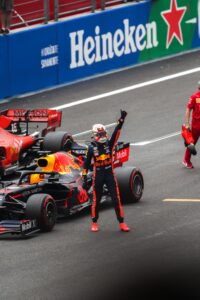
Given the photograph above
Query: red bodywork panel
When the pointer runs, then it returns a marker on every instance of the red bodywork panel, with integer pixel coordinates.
(4, 121)
(121, 155)
(14, 145)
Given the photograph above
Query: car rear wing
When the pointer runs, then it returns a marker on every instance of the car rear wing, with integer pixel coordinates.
(50, 116)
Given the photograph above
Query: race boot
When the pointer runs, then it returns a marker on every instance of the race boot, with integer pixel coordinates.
(94, 227)
(124, 227)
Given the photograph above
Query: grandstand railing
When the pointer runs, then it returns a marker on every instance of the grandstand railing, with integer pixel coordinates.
(30, 12)
(63, 8)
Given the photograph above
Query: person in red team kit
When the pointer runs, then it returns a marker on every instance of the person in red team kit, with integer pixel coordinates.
(194, 106)
(101, 152)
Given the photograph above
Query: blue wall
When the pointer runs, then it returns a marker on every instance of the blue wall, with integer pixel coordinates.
(77, 48)
(24, 55)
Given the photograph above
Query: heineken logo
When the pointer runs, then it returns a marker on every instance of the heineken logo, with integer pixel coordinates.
(125, 40)
(131, 35)
(173, 18)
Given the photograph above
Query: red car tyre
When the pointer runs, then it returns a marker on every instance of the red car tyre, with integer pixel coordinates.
(131, 184)
(42, 207)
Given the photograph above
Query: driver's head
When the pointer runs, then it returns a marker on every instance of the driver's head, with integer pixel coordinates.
(99, 133)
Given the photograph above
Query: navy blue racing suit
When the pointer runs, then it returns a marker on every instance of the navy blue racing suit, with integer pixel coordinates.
(102, 156)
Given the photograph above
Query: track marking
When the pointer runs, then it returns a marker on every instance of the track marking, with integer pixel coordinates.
(127, 89)
(144, 143)
(181, 200)
(156, 139)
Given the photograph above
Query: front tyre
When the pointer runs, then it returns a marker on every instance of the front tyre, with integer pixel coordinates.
(131, 184)
(42, 207)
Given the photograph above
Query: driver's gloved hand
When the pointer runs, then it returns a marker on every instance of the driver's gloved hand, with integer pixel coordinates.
(123, 116)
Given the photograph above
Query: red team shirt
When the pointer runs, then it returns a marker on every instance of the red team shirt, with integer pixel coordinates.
(194, 104)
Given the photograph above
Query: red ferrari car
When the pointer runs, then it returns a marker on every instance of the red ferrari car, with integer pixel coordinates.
(19, 147)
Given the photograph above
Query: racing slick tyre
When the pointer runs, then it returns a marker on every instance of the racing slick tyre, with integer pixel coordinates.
(131, 184)
(57, 141)
(42, 207)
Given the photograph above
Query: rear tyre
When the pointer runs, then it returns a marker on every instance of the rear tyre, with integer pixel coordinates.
(42, 207)
(131, 184)
(57, 141)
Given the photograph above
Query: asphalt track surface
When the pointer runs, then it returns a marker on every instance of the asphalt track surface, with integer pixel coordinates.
(159, 257)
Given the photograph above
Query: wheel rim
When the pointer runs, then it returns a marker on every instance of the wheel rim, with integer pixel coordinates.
(137, 185)
(50, 213)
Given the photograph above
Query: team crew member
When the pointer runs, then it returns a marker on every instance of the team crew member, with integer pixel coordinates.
(101, 152)
(194, 106)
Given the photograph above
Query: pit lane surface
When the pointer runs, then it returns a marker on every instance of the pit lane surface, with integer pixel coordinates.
(159, 258)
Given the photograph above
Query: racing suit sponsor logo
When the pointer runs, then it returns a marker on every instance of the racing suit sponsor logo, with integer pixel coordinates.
(87, 50)
(103, 157)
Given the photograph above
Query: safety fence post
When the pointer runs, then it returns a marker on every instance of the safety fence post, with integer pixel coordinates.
(103, 4)
(93, 5)
(46, 11)
(56, 10)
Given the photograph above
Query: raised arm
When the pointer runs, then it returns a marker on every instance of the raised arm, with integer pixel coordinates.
(116, 132)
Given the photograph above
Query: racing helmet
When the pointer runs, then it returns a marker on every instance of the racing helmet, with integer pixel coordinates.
(99, 133)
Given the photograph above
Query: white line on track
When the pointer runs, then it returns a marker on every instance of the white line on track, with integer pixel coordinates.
(127, 89)
(144, 143)
(181, 200)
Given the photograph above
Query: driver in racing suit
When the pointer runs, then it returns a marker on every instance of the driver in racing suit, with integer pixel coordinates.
(101, 152)
(193, 106)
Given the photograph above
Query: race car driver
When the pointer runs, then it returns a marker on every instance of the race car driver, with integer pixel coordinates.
(194, 106)
(101, 152)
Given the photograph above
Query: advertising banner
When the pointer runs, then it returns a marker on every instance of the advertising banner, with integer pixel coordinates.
(33, 59)
(109, 40)
(178, 27)
(92, 44)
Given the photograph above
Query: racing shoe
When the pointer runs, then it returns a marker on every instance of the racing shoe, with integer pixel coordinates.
(94, 227)
(124, 227)
(188, 165)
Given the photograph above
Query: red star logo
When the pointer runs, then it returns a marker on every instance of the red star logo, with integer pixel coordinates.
(173, 18)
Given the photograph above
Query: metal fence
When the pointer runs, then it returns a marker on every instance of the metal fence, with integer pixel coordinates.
(29, 12)
(107, 3)
(63, 8)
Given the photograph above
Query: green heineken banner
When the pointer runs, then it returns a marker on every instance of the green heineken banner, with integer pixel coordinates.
(178, 27)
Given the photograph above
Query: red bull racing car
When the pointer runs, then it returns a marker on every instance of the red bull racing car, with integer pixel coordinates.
(54, 188)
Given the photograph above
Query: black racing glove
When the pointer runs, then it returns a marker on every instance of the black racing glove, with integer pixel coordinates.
(123, 116)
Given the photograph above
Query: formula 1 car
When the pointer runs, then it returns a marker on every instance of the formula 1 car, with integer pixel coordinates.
(54, 188)
(17, 146)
